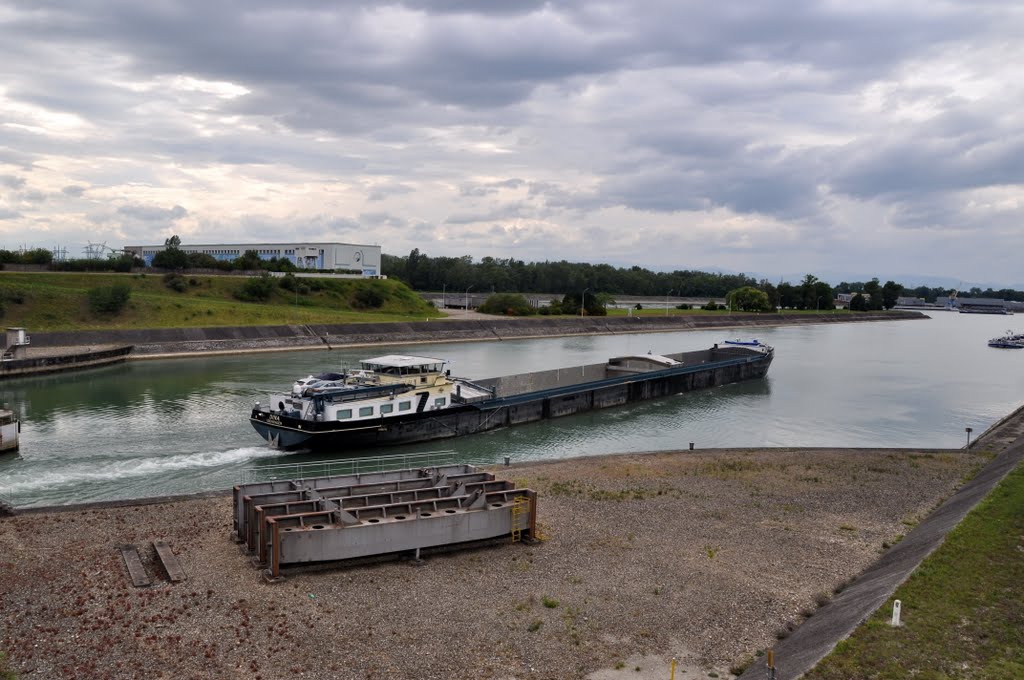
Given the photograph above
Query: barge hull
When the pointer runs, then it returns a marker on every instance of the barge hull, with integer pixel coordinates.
(523, 398)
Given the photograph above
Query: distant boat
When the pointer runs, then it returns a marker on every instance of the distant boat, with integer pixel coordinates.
(1009, 341)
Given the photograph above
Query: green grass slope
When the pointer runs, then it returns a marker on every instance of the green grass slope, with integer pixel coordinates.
(963, 608)
(52, 301)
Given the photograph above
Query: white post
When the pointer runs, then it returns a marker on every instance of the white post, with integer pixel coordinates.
(896, 606)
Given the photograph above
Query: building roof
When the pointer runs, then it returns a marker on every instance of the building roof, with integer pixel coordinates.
(402, 360)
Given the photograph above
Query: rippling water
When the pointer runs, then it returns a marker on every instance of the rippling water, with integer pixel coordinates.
(181, 425)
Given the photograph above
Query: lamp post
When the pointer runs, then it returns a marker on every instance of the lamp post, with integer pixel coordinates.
(969, 431)
(817, 305)
(583, 302)
(467, 301)
(444, 287)
(666, 300)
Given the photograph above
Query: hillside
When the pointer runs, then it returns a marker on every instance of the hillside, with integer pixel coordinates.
(56, 301)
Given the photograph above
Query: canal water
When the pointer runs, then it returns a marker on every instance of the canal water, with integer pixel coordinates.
(171, 426)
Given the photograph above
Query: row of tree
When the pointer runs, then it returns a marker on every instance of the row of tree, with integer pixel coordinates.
(604, 282)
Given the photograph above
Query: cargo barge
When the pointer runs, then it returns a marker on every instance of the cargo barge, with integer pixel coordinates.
(398, 399)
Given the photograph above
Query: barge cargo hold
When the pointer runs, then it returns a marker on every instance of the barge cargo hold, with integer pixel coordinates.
(398, 399)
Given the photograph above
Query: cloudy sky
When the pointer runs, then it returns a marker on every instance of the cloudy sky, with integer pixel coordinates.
(862, 138)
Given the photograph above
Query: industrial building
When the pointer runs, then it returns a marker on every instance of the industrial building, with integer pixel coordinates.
(322, 256)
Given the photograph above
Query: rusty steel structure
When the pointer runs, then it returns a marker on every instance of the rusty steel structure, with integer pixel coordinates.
(286, 523)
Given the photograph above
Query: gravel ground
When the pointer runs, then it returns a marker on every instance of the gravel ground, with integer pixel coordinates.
(705, 556)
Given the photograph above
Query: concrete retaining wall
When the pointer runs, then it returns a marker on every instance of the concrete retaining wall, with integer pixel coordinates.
(248, 338)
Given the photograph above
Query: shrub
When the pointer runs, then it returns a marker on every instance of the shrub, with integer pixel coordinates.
(176, 282)
(509, 304)
(257, 289)
(369, 297)
(684, 306)
(288, 282)
(109, 300)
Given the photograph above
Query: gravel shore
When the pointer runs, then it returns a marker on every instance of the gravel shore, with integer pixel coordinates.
(705, 556)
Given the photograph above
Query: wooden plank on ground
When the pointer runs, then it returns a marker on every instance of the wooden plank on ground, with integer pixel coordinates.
(134, 563)
(171, 565)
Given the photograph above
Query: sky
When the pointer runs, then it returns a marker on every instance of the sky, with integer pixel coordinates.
(839, 138)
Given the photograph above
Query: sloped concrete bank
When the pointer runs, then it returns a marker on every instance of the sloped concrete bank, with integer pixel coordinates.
(170, 341)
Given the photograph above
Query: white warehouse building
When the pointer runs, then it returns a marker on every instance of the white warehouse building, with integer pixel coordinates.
(323, 256)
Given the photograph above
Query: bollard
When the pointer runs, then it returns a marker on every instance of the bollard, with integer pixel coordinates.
(896, 607)
(673, 676)
(771, 664)
(691, 446)
(508, 460)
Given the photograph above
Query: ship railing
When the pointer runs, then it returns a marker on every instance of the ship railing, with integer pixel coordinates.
(362, 465)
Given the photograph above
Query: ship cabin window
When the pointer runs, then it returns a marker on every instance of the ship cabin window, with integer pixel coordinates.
(386, 408)
(344, 414)
(440, 401)
(404, 405)
(365, 411)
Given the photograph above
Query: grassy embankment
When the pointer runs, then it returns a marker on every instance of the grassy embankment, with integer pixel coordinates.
(963, 608)
(51, 301)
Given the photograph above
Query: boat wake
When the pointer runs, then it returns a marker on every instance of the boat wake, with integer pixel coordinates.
(133, 468)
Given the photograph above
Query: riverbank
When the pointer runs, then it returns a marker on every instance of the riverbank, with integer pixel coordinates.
(705, 556)
(163, 342)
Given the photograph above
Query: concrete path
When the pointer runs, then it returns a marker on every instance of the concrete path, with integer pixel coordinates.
(818, 635)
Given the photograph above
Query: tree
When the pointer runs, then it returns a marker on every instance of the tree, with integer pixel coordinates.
(249, 261)
(201, 261)
(592, 304)
(172, 256)
(891, 292)
(808, 292)
(789, 296)
(858, 303)
(823, 296)
(749, 299)
(873, 291)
